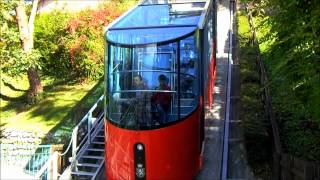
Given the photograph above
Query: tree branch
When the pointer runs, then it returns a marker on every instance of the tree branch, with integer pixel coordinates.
(31, 19)
(22, 21)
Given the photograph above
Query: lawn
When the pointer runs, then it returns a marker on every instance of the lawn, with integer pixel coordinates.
(61, 100)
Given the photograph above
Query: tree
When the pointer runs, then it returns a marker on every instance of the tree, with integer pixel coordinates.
(17, 54)
(26, 29)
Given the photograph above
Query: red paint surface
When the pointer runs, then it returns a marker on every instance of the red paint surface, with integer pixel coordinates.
(212, 76)
(171, 152)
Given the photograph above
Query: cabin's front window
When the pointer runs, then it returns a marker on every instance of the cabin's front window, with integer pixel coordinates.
(143, 83)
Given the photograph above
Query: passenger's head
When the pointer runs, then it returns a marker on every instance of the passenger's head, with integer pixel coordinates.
(162, 80)
(187, 46)
(137, 80)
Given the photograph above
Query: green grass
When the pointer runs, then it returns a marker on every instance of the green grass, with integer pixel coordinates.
(60, 98)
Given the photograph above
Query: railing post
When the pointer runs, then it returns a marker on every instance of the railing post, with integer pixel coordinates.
(309, 171)
(55, 166)
(287, 164)
(89, 126)
(74, 142)
(276, 166)
(49, 170)
(56, 149)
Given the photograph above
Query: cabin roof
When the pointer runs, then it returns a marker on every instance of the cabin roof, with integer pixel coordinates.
(155, 21)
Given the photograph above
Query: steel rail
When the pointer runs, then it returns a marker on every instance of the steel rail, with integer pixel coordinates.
(224, 170)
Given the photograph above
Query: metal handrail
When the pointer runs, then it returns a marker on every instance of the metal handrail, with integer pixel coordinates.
(73, 142)
(82, 120)
(160, 71)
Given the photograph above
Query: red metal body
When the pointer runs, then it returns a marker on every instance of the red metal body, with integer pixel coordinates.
(172, 152)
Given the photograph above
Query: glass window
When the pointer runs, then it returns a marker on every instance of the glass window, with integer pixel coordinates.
(143, 84)
(147, 36)
(162, 15)
(188, 75)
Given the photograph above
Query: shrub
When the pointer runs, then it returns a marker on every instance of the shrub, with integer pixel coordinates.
(73, 44)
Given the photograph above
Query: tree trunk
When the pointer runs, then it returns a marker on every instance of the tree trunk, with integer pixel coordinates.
(35, 85)
(26, 36)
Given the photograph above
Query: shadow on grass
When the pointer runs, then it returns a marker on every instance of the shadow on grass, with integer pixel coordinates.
(2, 129)
(59, 82)
(12, 87)
(15, 99)
(19, 104)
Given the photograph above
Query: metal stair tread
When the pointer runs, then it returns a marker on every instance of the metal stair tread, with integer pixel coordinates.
(92, 157)
(97, 142)
(82, 173)
(95, 149)
(100, 136)
(88, 165)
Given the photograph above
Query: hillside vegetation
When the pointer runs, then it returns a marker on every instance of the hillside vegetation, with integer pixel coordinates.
(289, 37)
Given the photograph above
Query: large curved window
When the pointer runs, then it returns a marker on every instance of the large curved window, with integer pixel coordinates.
(143, 84)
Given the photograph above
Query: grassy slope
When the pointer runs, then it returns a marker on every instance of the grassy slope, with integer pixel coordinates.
(59, 98)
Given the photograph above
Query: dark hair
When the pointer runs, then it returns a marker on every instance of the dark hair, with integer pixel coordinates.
(138, 75)
(162, 77)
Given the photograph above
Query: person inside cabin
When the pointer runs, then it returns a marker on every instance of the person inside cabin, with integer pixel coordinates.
(160, 101)
(187, 61)
(125, 83)
(187, 70)
(125, 77)
(139, 100)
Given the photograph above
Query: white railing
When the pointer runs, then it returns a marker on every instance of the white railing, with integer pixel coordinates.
(50, 169)
(82, 132)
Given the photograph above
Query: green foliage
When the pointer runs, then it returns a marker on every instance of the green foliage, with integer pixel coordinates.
(65, 44)
(49, 30)
(289, 35)
(12, 57)
(252, 111)
(9, 43)
(73, 44)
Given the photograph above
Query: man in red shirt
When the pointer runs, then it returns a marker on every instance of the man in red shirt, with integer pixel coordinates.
(161, 100)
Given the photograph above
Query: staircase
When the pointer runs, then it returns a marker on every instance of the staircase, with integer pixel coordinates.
(90, 158)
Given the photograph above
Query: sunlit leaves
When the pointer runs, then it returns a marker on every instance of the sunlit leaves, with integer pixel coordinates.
(290, 39)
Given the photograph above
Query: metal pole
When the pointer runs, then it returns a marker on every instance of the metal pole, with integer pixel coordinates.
(89, 126)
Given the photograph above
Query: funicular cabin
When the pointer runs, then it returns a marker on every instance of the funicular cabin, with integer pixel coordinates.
(160, 65)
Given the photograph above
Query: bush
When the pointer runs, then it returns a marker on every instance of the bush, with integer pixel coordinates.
(73, 44)
(49, 30)
(289, 39)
